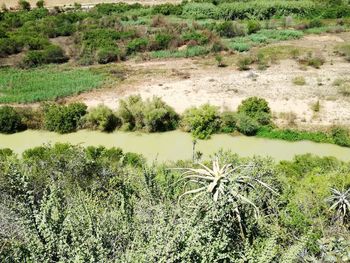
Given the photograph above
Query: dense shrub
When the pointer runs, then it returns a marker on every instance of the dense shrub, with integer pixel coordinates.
(137, 45)
(247, 125)
(150, 115)
(253, 107)
(10, 120)
(101, 118)
(253, 26)
(229, 121)
(202, 121)
(244, 62)
(230, 29)
(316, 22)
(200, 10)
(167, 9)
(63, 119)
(40, 4)
(158, 116)
(162, 40)
(51, 54)
(340, 136)
(195, 36)
(24, 5)
(107, 55)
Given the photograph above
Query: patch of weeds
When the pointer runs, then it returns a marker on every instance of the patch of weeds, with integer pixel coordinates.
(299, 81)
(315, 107)
(313, 60)
(244, 62)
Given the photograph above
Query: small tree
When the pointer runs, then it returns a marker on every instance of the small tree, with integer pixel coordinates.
(40, 4)
(24, 5)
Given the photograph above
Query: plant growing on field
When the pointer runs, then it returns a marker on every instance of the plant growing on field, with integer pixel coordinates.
(244, 62)
(40, 4)
(24, 5)
(225, 181)
(300, 81)
(340, 202)
(10, 120)
(101, 118)
(202, 121)
(254, 106)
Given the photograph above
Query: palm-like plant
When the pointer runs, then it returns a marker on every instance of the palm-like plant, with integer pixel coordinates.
(223, 181)
(340, 202)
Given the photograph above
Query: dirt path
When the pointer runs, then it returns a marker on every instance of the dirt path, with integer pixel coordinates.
(52, 3)
(185, 82)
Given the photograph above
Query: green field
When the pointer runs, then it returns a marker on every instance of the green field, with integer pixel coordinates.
(48, 83)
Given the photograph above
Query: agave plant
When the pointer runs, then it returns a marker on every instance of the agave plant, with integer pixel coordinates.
(216, 180)
(340, 201)
(223, 181)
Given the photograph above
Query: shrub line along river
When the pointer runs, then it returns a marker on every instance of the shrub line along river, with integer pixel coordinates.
(174, 145)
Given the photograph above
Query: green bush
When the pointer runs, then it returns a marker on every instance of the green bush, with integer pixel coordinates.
(253, 26)
(195, 36)
(150, 115)
(316, 22)
(340, 136)
(230, 29)
(202, 121)
(244, 62)
(162, 40)
(101, 118)
(40, 4)
(158, 116)
(200, 10)
(167, 9)
(107, 55)
(51, 54)
(63, 119)
(10, 120)
(229, 121)
(24, 5)
(247, 125)
(137, 45)
(253, 107)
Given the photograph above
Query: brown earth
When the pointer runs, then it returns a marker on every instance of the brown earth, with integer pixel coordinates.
(183, 83)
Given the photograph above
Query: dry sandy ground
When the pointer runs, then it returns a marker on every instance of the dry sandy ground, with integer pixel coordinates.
(52, 3)
(188, 82)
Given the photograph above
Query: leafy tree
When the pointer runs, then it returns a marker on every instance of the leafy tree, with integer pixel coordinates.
(202, 121)
(10, 120)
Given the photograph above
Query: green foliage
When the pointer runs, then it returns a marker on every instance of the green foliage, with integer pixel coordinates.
(47, 83)
(196, 37)
(244, 62)
(63, 119)
(40, 4)
(24, 5)
(340, 136)
(230, 29)
(247, 125)
(107, 55)
(253, 26)
(51, 54)
(315, 23)
(137, 45)
(150, 115)
(167, 9)
(10, 120)
(229, 121)
(202, 121)
(253, 107)
(101, 118)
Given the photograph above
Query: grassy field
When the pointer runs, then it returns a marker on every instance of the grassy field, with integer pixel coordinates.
(48, 83)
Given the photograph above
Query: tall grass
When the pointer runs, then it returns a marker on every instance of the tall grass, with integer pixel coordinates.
(48, 83)
(186, 53)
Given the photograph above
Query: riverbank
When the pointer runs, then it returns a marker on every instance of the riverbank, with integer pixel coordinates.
(174, 145)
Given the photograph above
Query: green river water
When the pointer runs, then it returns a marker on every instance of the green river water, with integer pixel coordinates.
(175, 145)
